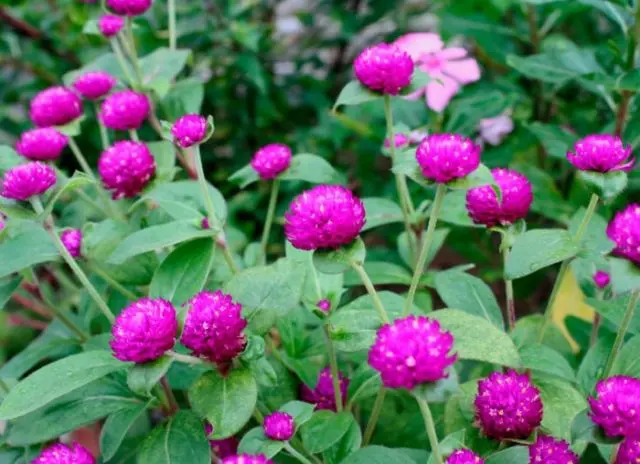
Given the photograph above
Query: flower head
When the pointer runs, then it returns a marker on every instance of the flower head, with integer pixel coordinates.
(548, 450)
(384, 68)
(324, 305)
(464, 456)
(493, 130)
(65, 454)
(126, 168)
(271, 160)
(485, 208)
(279, 426)
(411, 351)
(189, 130)
(144, 330)
(508, 406)
(124, 110)
(601, 279)
(624, 231)
(27, 180)
(601, 153)
(129, 7)
(616, 406)
(628, 452)
(110, 25)
(55, 106)
(72, 241)
(214, 327)
(449, 68)
(400, 141)
(445, 157)
(247, 459)
(42, 144)
(324, 217)
(323, 395)
(223, 448)
(94, 85)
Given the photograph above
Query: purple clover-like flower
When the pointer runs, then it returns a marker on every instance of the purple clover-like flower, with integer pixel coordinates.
(214, 327)
(279, 426)
(126, 168)
(124, 110)
(324, 217)
(27, 180)
(323, 395)
(508, 406)
(189, 130)
(446, 157)
(223, 448)
(94, 85)
(384, 68)
(247, 459)
(411, 351)
(42, 144)
(65, 454)
(110, 25)
(624, 231)
(548, 450)
(324, 305)
(616, 406)
(144, 330)
(129, 7)
(485, 208)
(55, 106)
(601, 279)
(72, 241)
(464, 456)
(271, 160)
(628, 452)
(601, 153)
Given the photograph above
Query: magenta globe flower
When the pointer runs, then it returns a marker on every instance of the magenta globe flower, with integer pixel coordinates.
(601, 279)
(126, 168)
(508, 406)
(324, 305)
(55, 106)
(483, 205)
(65, 454)
(129, 7)
(144, 331)
(548, 450)
(214, 327)
(323, 395)
(411, 351)
(464, 456)
(616, 406)
(279, 426)
(324, 217)
(43, 144)
(624, 231)
(271, 160)
(628, 452)
(110, 25)
(222, 448)
(27, 180)
(400, 141)
(189, 130)
(72, 241)
(124, 110)
(94, 85)
(247, 459)
(446, 157)
(601, 153)
(384, 68)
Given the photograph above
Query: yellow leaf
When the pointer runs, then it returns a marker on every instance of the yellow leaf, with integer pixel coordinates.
(570, 302)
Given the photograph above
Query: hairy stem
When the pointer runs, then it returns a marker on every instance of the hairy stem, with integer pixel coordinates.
(622, 331)
(375, 415)
(511, 304)
(431, 429)
(377, 302)
(117, 286)
(173, 36)
(335, 373)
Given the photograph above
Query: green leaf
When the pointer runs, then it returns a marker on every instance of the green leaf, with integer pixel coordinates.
(516, 454)
(448, 445)
(57, 379)
(184, 272)
(184, 97)
(30, 247)
(537, 249)
(143, 377)
(227, 402)
(481, 176)
(542, 358)
(625, 276)
(180, 440)
(164, 154)
(468, 111)
(8, 285)
(628, 362)
(255, 442)
(378, 455)
(254, 71)
(407, 165)
(592, 365)
(364, 383)
(106, 62)
(115, 429)
(339, 260)
(555, 140)
(556, 67)
(562, 403)
(299, 410)
(584, 429)
(163, 63)
(615, 12)
(614, 309)
(324, 429)
(609, 184)
(347, 445)
(595, 243)
(183, 200)
(381, 211)
(354, 93)
(244, 176)
(311, 168)
(78, 180)
(380, 273)
(478, 339)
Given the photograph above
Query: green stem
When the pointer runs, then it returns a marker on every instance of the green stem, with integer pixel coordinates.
(377, 302)
(117, 51)
(204, 188)
(133, 54)
(228, 257)
(172, 404)
(104, 134)
(426, 246)
(173, 38)
(185, 358)
(335, 373)
(624, 327)
(292, 451)
(134, 135)
(375, 414)
(431, 429)
(511, 304)
(273, 201)
(113, 283)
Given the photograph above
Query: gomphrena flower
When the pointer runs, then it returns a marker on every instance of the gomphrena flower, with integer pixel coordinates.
(65, 454)
(214, 327)
(247, 459)
(400, 141)
(616, 406)
(189, 130)
(27, 180)
(129, 7)
(124, 110)
(384, 68)
(508, 406)
(624, 231)
(601, 153)
(548, 450)
(279, 426)
(72, 241)
(42, 144)
(222, 448)
(411, 351)
(446, 157)
(323, 395)
(94, 85)
(55, 106)
(324, 217)
(601, 279)
(144, 330)
(110, 25)
(464, 456)
(628, 452)
(324, 305)
(126, 168)
(271, 160)
(485, 208)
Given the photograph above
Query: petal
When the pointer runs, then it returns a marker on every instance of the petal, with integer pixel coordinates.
(452, 53)
(414, 95)
(440, 92)
(464, 71)
(419, 43)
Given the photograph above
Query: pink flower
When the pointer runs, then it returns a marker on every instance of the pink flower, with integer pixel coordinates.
(464, 456)
(72, 241)
(624, 231)
(446, 157)
(449, 68)
(601, 279)
(548, 450)
(324, 305)
(129, 7)
(126, 168)
(55, 106)
(124, 110)
(271, 160)
(94, 85)
(384, 68)
(189, 130)
(323, 395)
(223, 448)
(279, 426)
(247, 459)
(493, 130)
(400, 141)
(601, 153)
(110, 25)
(65, 454)
(616, 406)
(27, 180)
(42, 144)
(629, 452)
